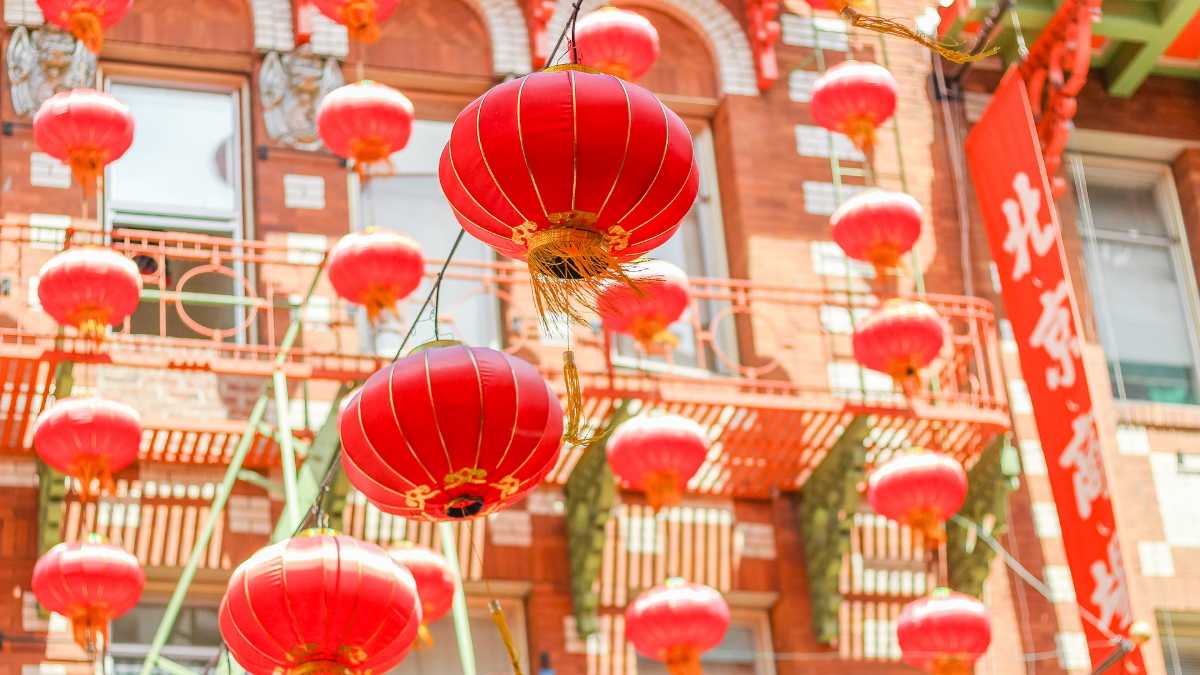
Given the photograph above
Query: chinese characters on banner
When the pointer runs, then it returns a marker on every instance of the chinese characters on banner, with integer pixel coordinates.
(1014, 195)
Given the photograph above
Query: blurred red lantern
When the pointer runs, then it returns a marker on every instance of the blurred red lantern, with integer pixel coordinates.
(85, 19)
(320, 602)
(617, 42)
(360, 17)
(647, 310)
(900, 338)
(477, 430)
(375, 269)
(945, 633)
(91, 583)
(85, 129)
(878, 227)
(676, 622)
(573, 171)
(658, 454)
(435, 583)
(366, 122)
(89, 289)
(919, 489)
(854, 98)
(88, 438)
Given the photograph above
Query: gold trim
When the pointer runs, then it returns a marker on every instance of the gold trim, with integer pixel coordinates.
(525, 155)
(400, 429)
(577, 67)
(479, 386)
(523, 233)
(471, 195)
(625, 155)
(463, 476)
(516, 412)
(488, 165)
(574, 139)
(661, 163)
(433, 404)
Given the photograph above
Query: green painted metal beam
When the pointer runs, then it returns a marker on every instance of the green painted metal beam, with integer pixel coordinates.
(462, 619)
(273, 488)
(1133, 63)
(321, 454)
(52, 485)
(1125, 20)
(287, 452)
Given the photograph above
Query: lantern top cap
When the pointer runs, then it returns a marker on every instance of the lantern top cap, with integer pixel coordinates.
(434, 344)
(319, 532)
(578, 67)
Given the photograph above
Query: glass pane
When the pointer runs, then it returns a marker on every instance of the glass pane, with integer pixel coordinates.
(412, 202)
(183, 153)
(734, 656)
(491, 658)
(1125, 208)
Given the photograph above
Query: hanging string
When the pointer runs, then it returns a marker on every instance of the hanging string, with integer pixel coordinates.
(437, 283)
(569, 26)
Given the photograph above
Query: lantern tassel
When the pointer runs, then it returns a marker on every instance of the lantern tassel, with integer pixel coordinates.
(376, 300)
(321, 668)
(574, 413)
(87, 164)
(569, 266)
(505, 635)
(662, 489)
(85, 624)
(878, 24)
(359, 18)
(652, 334)
(683, 660)
(424, 637)
(930, 525)
(85, 25)
(950, 665)
(89, 468)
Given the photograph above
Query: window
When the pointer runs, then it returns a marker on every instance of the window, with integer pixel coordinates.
(182, 173)
(491, 657)
(746, 650)
(412, 202)
(1179, 633)
(1139, 274)
(194, 642)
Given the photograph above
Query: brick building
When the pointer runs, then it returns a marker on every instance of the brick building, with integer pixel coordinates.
(228, 201)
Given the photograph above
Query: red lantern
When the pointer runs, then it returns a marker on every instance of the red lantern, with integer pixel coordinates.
(320, 603)
(376, 269)
(919, 489)
(878, 227)
(88, 438)
(676, 622)
(854, 98)
(360, 17)
(85, 129)
(91, 583)
(646, 311)
(435, 583)
(617, 42)
(89, 289)
(573, 171)
(85, 19)
(658, 454)
(945, 633)
(900, 338)
(365, 121)
(476, 430)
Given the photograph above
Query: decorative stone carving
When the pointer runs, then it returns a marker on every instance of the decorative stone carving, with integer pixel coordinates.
(290, 86)
(44, 61)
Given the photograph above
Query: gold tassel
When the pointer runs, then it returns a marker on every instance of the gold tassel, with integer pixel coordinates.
(683, 660)
(424, 637)
(358, 16)
(85, 24)
(505, 636)
(569, 266)
(878, 24)
(573, 433)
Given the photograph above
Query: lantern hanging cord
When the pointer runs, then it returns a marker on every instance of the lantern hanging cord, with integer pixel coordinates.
(568, 27)
(437, 283)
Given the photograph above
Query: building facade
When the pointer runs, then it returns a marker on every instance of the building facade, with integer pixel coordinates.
(227, 201)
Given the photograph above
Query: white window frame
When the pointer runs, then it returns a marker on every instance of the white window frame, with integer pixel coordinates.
(1176, 241)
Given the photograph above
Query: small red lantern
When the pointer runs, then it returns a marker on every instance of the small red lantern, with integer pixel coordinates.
(435, 583)
(573, 171)
(366, 122)
(91, 583)
(919, 489)
(878, 227)
(85, 129)
(646, 311)
(89, 289)
(88, 438)
(376, 269)
(85, 19)
(360, 17)
(900, 338)
(477, 430)
(945, 633)
(854, 98)
(676, 622)
(658, 454)
(617, 42)
(320, 603)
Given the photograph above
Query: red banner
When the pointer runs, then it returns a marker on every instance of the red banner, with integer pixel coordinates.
(1014, 195)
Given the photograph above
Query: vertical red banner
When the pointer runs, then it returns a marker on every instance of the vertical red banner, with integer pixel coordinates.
(1014, 195)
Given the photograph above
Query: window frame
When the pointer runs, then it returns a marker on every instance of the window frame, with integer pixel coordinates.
(1176, 242)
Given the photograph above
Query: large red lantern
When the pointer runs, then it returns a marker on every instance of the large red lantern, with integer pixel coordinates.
(646, 310)
(320, 602)
(89, 289)
(435, 583)
(366, 122)
(617, 41)
(450, 432)
(91, 583)
(360, 17)
(854, 98)
(573, 171)
(878, 227)
(88, 438)
(85, 129)
(919, 489)
(676, 623)
(900, 338)
(85, 19)
(945, 633)
(375, 269)
(657, 454)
